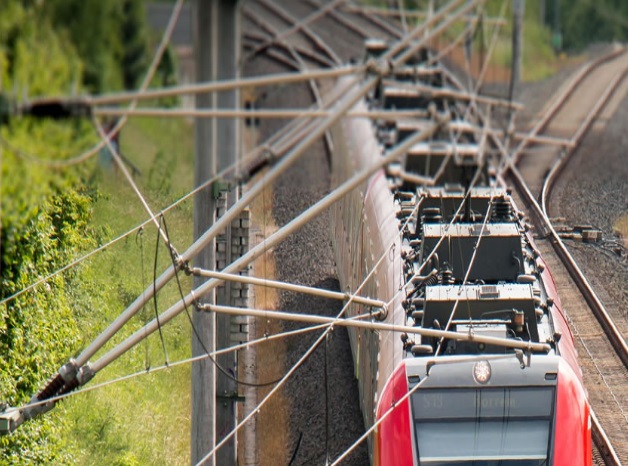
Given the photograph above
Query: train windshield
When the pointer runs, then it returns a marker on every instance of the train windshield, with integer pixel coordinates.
(509, 426)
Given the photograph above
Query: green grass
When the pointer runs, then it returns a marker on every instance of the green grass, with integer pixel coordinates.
(144, 420)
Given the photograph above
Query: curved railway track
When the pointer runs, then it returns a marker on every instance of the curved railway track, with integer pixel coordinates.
(599, 338)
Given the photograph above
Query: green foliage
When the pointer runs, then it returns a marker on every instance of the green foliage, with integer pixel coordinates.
(36, 444)
(110, 37)
(160, 175)
(45, 224)
(134, 41)
(587, 21)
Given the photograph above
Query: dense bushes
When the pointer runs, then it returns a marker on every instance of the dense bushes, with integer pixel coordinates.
(46, 211)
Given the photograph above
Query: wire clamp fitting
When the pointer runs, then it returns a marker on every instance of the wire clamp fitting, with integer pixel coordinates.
(379, 68)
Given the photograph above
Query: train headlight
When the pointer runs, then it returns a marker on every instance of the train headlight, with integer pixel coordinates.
(482, 372)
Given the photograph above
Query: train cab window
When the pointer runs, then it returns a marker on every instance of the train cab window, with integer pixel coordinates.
(509, 426)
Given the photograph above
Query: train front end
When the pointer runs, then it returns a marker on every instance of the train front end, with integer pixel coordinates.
(483, 411)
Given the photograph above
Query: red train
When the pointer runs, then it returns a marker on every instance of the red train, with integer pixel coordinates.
(458, 257)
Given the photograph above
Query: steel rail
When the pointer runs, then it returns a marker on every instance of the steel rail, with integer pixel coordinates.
(275, 54)
(560, 100)
(313, 55)
(383, 25)
(298, 26)
(602, 442)
(565, 157)
(300, 64)
(396, 13)
(598, 433)
(305, 29)
(340, 19)
(598, 309)
(403, 46)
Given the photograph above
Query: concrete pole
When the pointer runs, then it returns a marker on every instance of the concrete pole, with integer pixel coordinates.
(203, 395)
(216, 41)
(228, 57)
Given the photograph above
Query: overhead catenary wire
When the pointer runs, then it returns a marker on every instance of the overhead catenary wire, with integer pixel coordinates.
(217, 446)
(226, 219)
(116, 156)
(161, 335)
(476, 248)
(282, 165)
(273, 240)
(371, 429)
(196, 333)
(287, 287)
(341, 107)
(225, 85)
(274, 146)
(174, 364)
(382, 326)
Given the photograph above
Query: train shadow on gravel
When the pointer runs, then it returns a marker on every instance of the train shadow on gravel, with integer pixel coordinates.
(308, 391)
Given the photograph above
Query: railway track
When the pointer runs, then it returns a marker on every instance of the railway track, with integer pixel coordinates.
(599, 338)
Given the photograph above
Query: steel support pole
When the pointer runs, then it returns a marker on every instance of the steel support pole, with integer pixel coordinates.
(203, 396)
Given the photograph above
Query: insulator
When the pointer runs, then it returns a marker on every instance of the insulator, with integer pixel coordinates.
(433, 280)
(52, 388)
(502, 210)
(418, 350)
(431, 215)
(446, 276)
